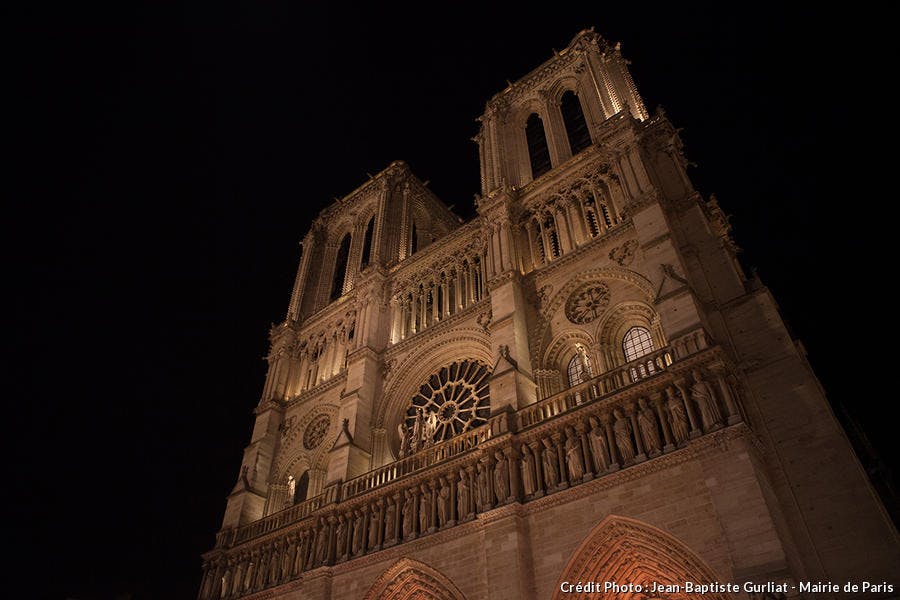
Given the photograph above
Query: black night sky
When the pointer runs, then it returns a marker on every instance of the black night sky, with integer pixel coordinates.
(167, 160)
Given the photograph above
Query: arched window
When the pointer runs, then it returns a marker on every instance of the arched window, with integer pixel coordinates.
(579, 368)
(340, 268)
(576, 126)
(301, 487)
(367, 244)
(538, 151)
(637, 343)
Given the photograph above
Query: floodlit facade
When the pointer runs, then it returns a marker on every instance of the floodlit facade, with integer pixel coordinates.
(577, 385)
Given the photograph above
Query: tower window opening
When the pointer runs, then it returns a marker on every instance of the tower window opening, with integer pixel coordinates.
(367, 244)
(538, 151)
(340, 268)
(576, 126)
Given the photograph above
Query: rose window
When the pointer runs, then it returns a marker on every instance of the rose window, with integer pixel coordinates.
(458, 396)
(587, 303)
(316, 431)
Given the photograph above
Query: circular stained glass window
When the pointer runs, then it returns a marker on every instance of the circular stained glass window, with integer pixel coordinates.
(458, 396)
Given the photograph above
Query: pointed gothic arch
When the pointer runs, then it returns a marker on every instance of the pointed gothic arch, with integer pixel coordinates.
(410, 579)
(627, 550)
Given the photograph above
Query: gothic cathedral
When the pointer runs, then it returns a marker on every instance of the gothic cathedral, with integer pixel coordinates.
(577, 385)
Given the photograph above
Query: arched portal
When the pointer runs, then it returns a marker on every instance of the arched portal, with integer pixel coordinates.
(409, 579)
(627, 551)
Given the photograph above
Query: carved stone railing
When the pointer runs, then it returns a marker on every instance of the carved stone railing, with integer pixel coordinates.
(513, 458)
(425, 458)
(635, 371)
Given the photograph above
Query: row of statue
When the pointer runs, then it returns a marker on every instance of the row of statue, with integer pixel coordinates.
(586, 448)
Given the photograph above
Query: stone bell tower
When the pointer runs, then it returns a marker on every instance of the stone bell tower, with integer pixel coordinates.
(579, 384)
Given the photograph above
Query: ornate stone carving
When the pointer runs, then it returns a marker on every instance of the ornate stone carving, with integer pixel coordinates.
(622, 431)
(574, 461)
(587, 302)
(443, 503)
(424, 508)
(543, 295)
(649, 428)
(483, 487)
(598, 446)
(484, 320)
(549, 459)
(624, 254)
(501, 478)
(463, 507)
(528, 472)
(710, 414)
(285, 427)
(409, 518)
(677, 416)
(358, 532)
(374, 525)
(389, 516)
(315, 432)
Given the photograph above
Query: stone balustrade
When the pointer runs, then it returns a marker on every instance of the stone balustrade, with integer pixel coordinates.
(609, 423)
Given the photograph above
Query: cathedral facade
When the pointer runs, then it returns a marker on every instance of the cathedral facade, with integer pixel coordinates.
(577, 385)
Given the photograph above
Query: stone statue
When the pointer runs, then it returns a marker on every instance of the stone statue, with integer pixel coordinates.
(321, 542)
(403, 432)
(374, 522)
(622, 431)
(226, 582)
(430, 429)
(358, 531)
(501, 478)
(389, 515)
(598, 446)
(274, 563)
(248, 574)
(528, 470)
(416, 438)
(261, 571)
(574, 461)
(409, 509)
(341, 536)
(424, 508)
(677, 416)
(709, 411)
(286, 562)
(549, 461)
(462, 495)
(443, 503)
(302, 560)
(649, 428)
(483, 489)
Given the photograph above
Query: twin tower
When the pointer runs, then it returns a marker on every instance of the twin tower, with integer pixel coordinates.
(578, 384)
